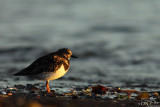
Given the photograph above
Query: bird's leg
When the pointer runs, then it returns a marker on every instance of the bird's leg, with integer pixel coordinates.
(47, 85)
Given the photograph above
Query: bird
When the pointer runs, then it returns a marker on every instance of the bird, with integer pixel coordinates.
(49, 67)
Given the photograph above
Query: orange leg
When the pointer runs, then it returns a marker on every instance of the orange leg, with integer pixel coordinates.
(47, 85)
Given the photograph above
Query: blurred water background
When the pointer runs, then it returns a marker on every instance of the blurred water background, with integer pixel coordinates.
(117, 41)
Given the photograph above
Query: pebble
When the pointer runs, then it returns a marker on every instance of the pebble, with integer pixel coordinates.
(11, 89)
(9, 93)
(19, 86)
(31, 87)
(3, 93)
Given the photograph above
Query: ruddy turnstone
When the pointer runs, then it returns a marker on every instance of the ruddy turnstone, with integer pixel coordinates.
(49, 67)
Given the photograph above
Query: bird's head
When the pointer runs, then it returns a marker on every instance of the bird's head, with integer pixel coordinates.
(66, 53)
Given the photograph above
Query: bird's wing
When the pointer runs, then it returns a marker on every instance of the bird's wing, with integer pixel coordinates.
(48, 63)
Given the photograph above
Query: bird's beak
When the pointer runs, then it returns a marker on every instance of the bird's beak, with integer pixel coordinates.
(73, 56)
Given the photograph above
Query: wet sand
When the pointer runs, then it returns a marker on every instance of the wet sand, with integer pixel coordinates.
(16, 101)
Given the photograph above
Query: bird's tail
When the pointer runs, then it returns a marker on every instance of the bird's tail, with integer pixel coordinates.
(16, 74)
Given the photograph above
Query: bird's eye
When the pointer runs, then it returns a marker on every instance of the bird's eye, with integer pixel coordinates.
(67, 52)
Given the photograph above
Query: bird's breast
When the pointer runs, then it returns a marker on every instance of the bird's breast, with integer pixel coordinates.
(52, 75)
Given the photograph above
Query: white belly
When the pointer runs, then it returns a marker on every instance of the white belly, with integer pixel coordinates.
(52, 75)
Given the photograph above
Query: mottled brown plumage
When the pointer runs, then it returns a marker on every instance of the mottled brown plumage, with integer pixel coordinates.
(49, 67)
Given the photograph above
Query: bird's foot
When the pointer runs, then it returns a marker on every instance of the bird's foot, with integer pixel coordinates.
(48, 90)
